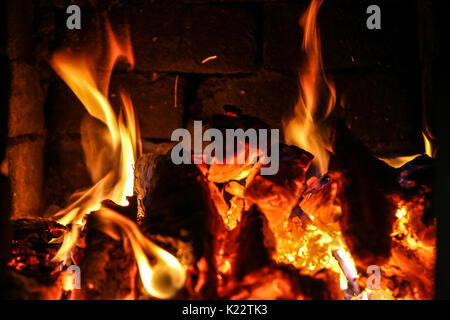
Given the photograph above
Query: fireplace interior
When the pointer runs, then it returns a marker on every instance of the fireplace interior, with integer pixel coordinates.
(88, 183)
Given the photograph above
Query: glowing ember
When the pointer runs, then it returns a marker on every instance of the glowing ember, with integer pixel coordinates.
(209, 59)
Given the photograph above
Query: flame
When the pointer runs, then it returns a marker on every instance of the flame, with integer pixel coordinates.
(112, 169)
(67, 281)
(312, 249)
(120, 145)
(429, 148)
(164, 276)
(399, 162)
(307, 128)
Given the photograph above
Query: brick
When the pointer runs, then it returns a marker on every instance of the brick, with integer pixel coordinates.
(172, 36)
(4, 111)
(64, 111)
(20, 29)
(346, 41)
(383, 110)
(26, 103)
(266, 95)
(177, 38)
(282, 36)
(25, 170)
(66, 170)
(153, 97)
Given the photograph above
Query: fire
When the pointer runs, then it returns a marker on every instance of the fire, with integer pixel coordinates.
(313, 241)
(310, 241)
(410, 232)
(111, 158)
(412, 256)
(311, 248)
(429, 148)
(164, 276)
(398, 162)
(307, 129)
(120, 141)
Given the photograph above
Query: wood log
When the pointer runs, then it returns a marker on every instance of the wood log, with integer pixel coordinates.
(108, 265)
(173, 207)
(26, 129)
(276, 195)
(25, 169)
(368, 213)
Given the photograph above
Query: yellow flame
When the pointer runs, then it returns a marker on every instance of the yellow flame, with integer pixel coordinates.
(399, 162)
(117, 183)
(307, 128)
(429, 149)
(164, 276)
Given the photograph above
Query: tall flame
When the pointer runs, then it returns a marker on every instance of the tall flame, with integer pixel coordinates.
(112, 169)
(307, 128)
(121, 143)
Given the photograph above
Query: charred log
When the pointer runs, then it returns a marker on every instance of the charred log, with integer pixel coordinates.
(276, 195)
(108, 264)
(368, 214)
(173, 206)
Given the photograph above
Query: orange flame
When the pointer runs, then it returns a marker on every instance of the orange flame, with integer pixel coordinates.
(121, 144)
(430, 150)
(112, 169)
(161, 279)
(307, 128)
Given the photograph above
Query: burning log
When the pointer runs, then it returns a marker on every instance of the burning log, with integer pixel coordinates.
(108, 265)
(231, 249)
(368, 213)
(277, 195)
(172, 206)
(31, 273)
(223, 173)
(417, 178)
